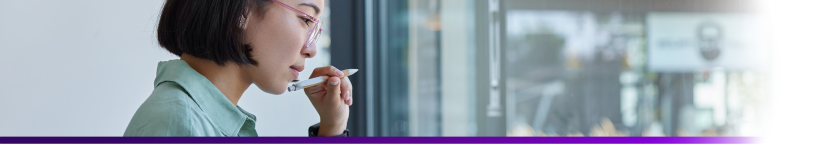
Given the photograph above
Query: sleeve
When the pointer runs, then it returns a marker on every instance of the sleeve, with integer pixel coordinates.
(313, 131)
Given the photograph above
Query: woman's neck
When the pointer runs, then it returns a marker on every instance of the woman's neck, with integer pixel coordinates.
(229, 79)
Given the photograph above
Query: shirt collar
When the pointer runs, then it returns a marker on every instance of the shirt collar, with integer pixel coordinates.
(227, 117)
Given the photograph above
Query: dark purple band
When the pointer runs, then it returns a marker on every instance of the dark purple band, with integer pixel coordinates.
(378, 140)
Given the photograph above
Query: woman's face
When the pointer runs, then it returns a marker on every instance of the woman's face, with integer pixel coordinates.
(277, 38)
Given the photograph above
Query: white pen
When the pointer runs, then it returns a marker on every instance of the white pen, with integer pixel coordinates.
(317, 80)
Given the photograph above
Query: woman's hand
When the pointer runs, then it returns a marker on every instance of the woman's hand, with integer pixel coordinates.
(331, 100)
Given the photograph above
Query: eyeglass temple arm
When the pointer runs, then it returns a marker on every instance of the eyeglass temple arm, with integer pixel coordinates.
(294, 10)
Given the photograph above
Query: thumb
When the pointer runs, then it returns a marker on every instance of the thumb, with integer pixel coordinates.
(333, 91)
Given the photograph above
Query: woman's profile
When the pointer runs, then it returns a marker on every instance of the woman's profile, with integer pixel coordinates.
(224, 47)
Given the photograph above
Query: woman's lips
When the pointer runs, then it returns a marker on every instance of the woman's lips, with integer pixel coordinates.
(296, 70)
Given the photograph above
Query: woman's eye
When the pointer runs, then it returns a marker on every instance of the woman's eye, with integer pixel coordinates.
(306, 20)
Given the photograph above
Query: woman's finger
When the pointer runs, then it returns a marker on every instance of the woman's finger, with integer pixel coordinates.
(349, 101)
(326, 71)
(346, 86)
(315, 89)
(333, 90)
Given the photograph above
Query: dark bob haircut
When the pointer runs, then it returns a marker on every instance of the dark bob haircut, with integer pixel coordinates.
(208, 29)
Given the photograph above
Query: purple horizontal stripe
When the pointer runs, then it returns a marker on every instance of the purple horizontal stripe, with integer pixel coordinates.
(377, 140)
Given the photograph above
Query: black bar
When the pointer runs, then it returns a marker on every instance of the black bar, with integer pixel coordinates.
(347, 50)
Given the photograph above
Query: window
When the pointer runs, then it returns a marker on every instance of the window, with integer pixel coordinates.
(552, 68)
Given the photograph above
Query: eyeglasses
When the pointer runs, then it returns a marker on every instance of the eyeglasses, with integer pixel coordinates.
(315, 33)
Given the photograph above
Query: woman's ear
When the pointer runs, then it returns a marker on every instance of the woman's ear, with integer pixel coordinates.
(243, 20)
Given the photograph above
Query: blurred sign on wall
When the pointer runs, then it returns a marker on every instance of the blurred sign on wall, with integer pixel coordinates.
(683, 42)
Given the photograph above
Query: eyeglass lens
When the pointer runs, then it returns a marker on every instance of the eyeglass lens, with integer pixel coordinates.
(314, 34)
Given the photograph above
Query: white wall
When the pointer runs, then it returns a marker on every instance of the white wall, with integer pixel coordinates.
(83, 67)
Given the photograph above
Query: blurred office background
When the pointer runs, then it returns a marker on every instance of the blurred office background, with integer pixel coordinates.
(554, 67)
(430, 68)
(83, 67)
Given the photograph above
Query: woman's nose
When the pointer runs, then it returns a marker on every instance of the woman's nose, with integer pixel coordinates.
(309, 51)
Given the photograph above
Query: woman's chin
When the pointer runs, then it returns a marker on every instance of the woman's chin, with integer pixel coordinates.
(276, 90)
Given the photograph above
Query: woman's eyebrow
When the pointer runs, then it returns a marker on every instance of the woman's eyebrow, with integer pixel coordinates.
(315, 7)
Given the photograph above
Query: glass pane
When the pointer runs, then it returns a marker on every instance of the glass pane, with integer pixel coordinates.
(424, 66)
(573, 73)
(562, 68)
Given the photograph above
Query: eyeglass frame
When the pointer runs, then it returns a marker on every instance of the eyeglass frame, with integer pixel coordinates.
(318, 22)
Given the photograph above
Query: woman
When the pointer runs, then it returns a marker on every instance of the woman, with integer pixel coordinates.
(224, 47)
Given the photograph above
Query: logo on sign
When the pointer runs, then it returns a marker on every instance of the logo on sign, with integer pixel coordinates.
(710, 35)
(710, 41)
(680, 42)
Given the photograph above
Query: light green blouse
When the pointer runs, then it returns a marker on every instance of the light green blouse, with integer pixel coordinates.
(185, 103)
